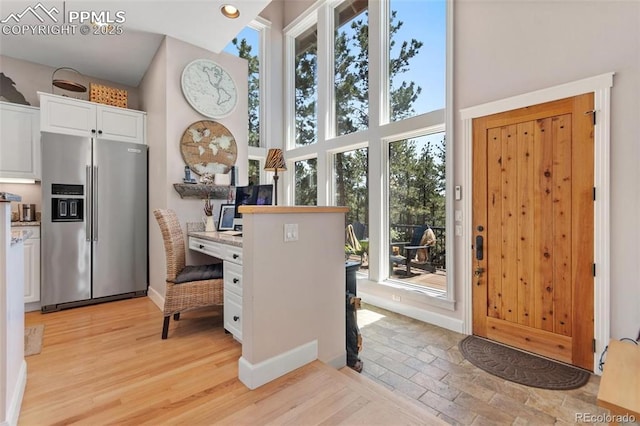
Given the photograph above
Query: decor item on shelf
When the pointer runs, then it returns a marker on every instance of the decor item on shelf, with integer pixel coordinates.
(9, 92)
(71, 86)
(274, 163)
(222, 179)
(227, 213)
(187, 175)
(206, 178)
(107, 95)
(208, 147)
(209, 88)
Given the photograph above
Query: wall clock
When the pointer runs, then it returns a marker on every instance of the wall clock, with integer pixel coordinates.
(209, 88)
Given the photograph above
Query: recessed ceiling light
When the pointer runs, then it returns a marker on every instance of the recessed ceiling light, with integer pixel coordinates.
(230, 11)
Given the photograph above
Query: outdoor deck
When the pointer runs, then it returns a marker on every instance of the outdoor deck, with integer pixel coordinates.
(436, 280)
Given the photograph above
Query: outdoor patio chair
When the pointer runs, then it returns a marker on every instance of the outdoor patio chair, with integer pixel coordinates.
(416, 252)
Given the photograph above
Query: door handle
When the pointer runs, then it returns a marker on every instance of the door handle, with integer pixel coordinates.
(479, 247)
(88, 204)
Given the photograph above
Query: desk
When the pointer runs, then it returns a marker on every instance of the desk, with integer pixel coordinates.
(620, 384)
(229, 249)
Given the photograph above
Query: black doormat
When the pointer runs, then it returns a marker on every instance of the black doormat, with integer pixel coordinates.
(521, 367)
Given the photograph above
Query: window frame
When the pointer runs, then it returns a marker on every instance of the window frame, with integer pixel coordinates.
(376, 138)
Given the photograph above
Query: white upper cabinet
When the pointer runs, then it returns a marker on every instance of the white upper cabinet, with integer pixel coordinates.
(82, 118)
(19, 141)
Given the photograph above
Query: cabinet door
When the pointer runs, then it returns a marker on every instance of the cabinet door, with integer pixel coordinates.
(67, 116)
(31, 270)
(119, 124)
(19, 141)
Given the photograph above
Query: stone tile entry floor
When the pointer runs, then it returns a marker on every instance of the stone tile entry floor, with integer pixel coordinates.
(422, 362)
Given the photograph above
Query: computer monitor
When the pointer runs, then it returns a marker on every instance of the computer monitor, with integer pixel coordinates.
(253, 195)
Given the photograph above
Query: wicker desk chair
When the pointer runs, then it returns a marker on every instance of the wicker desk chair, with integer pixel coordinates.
(188, 287)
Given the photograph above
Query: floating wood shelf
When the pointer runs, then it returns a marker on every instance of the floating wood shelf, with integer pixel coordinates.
(202, 191)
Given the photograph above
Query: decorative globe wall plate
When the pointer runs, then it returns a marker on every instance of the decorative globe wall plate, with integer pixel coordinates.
(208, 147)
(209, 88)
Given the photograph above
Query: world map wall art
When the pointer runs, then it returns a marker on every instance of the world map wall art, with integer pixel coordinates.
(208, 147)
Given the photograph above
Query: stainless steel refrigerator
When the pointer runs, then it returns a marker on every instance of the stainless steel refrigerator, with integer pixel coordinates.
(94, 221)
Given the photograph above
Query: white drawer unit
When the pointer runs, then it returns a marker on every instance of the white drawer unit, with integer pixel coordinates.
(207, 247)
(233, 314)
(233, 291)
(232, 270)
(233, 278)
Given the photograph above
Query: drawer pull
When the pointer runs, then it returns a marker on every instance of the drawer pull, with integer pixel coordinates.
(235, 256)
(201, 246)
(235, 281)
(236, 318)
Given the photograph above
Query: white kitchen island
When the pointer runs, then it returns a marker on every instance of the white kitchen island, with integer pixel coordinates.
(13, 368)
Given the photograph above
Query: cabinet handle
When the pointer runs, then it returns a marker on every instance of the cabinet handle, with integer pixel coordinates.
(93, 131)
(235, 256)
(201, 246)
(99, 132)
(235, 281)
(236, 318)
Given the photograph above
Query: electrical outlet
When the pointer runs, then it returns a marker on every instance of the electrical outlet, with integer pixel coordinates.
(396, 298)
(290, 232)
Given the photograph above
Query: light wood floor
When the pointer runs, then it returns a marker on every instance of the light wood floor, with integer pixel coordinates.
(106, 364)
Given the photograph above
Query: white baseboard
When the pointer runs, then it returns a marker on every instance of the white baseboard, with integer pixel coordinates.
(443, 321)
(256, 375)
(156, 298)
(339, 361)
(13, 411)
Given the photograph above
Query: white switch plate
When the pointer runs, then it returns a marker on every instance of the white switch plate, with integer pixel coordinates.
(290, 232)
(458, 215)
(458, 230)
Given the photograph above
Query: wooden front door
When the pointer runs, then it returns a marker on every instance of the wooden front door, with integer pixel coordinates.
(533, 203)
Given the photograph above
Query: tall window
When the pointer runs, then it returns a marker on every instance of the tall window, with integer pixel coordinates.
(352, 185)
(254, 172)
(306, 87)
(351, 72)
(417, 56)
(247, 46)
(306, 190)
(417, 198)
(351, 189)
(394, 105)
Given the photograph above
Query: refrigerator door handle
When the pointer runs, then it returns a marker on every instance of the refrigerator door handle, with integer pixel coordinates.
(95, 203)
(88, 204)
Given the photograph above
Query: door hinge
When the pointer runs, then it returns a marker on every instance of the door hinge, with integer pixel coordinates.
(594, 193)
(594, 345)
(594, 269)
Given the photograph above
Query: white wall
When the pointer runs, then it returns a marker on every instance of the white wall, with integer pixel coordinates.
(169, 114)
(506, 48)
(293, 292)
